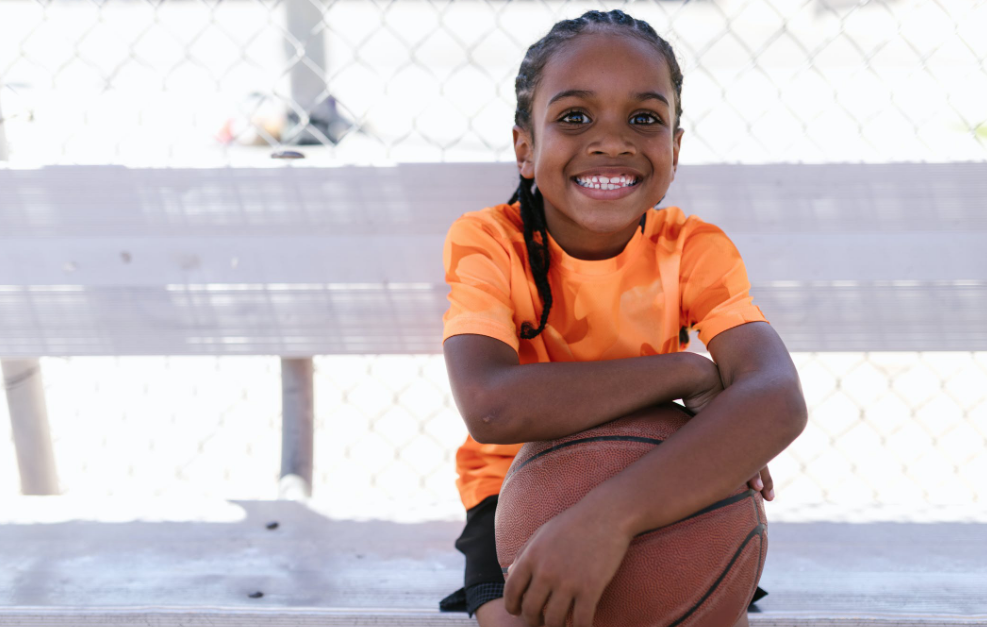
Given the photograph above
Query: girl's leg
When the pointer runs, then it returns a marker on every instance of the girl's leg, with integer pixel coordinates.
(740, 623)
(483, 579)
(493, 614)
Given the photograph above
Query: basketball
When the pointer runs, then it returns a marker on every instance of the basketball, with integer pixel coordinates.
(701, 571)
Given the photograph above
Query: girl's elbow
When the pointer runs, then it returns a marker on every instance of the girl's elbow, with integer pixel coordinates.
(487, 424)
(796, 413)
(485, 428)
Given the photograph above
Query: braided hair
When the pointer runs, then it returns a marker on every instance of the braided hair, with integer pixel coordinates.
(532, 203)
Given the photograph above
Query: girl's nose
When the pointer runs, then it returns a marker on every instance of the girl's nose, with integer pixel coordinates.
(612, 140)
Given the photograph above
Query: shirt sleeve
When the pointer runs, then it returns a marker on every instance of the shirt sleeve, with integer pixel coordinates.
(478, 271)
(714, 285)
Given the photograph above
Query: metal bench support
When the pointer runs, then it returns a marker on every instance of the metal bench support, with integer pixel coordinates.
(297, 428)
(3, 133)
(29, 423)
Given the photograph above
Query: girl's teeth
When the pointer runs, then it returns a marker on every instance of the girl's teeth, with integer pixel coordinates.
(603, 182)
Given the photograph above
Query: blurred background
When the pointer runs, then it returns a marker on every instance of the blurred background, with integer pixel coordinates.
(199, 82)
(194, 83)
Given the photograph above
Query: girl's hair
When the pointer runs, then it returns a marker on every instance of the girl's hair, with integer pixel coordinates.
(532, 205)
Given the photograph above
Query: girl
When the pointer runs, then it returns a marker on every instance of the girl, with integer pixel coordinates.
(570, 307)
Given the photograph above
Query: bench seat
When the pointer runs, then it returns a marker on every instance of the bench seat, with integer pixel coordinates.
(169, 562)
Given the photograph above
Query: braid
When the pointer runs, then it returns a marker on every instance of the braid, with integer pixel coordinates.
(533, 219)
(532, 207)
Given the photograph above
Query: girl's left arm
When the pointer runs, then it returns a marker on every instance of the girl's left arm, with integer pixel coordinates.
(759, 413)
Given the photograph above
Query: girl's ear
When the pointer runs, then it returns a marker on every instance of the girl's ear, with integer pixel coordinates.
(523, 150)
(676, 146)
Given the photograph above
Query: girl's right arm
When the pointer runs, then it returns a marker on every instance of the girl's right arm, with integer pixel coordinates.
(504, 402)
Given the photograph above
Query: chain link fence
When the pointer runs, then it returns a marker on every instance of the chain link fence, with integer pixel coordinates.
(906, 432)
(220, 82)
(189, 83)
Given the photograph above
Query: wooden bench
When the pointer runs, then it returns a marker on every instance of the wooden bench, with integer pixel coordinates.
(296, 262)
(160, 562)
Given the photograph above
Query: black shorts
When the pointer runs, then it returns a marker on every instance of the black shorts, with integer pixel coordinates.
(484, 580)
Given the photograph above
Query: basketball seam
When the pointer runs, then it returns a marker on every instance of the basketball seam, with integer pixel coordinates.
(626, 438)
(730, 500)
(599, 438)
(757, 531)
(761, 552)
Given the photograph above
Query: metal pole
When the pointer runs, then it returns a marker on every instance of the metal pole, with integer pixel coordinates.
(26, 406)
(297, 428)
(29, 423)
(3, 134)
(307, 82)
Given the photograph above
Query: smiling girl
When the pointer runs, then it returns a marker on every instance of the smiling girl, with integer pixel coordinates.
(571, 306)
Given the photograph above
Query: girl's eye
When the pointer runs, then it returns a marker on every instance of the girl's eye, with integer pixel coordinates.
(574, 117)
(644, 118)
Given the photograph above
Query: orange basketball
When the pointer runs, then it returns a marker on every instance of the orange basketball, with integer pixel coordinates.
(701, 571)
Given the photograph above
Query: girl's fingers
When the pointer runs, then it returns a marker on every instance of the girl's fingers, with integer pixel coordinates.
(763, 483)
(518, 577)
(557, 609)
(769, 484)
(582, 613)
(533, 603)
(755, 482)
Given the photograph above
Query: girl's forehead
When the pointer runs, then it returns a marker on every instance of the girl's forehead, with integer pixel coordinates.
(604, 62)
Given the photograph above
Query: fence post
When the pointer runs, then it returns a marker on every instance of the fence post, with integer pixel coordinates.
(307, 84)
(297, 428)
(29, 423)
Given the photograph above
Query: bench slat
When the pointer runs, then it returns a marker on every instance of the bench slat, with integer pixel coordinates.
(239, 320)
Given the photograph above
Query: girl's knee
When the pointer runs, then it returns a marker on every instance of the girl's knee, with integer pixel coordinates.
(494, 614)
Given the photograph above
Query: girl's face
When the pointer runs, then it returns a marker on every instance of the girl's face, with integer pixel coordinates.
(603, 109)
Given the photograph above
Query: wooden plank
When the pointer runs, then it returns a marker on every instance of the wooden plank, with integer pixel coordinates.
(171, 562)
(300, 321)
(422, 198)
(302, 261)
(212, 617)
(369, 259)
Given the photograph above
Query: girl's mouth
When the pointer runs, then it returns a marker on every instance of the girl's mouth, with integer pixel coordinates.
(608, 187)
(606, 182)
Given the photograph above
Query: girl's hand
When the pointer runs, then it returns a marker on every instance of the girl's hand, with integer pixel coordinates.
(708, 385)
(565, 566)
(763, 483)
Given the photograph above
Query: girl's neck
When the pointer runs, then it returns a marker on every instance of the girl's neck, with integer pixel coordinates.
(582, 244)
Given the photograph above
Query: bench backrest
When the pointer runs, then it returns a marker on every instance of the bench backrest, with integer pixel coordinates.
(297, 261)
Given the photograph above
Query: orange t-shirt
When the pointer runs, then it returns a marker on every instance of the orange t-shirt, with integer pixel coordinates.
(675, 274)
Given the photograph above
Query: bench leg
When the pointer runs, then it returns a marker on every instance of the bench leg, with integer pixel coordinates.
(297, 428)
(29, 424)
(3, 133)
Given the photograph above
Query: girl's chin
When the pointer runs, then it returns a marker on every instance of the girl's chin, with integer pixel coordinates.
(605, 224)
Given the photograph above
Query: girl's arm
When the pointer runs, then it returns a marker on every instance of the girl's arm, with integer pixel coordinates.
(503, 402)
(572, 558)
(758, 415)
